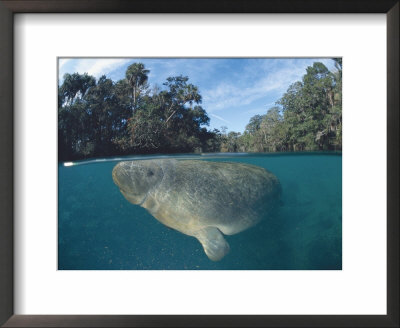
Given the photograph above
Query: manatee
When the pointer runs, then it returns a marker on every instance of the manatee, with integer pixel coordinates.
(200, 198)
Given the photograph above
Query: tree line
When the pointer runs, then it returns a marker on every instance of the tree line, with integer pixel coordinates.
(99, 118)
(308, 117)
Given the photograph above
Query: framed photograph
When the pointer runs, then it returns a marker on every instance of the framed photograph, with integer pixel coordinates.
(206, 164)
(151, 129)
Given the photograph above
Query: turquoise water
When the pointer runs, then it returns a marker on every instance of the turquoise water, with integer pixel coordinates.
(99, 230)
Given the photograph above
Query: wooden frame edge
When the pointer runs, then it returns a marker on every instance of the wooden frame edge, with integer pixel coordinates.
(8, 8)
(6, 165)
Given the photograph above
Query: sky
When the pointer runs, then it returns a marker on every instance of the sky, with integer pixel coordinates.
(232, 89)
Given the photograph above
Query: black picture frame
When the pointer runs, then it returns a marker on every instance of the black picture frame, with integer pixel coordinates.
(10, 7)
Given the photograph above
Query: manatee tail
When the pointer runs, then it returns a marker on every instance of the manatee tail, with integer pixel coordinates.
(214, 244)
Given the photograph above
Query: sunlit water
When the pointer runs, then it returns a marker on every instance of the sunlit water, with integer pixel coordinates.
(98, 229)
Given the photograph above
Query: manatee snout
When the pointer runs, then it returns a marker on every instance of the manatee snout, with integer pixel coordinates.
(123, 178)
(124, 181)
(136, 179)
(118, 175)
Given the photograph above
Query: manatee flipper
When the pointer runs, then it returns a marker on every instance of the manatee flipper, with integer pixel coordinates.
(214, 244)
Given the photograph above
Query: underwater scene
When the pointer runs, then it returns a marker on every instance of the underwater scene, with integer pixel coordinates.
(99, 229)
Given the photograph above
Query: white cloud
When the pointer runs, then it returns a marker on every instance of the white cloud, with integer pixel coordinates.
(98, 67)
(230, 95)
(219, 118)
(62, 62)
(249, 88)
(160, 69)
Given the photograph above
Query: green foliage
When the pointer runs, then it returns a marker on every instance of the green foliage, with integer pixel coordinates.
(308, 116)
(90, 124)
(103, 118)
(254, 124)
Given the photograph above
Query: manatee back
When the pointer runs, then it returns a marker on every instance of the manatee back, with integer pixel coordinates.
(229, 196)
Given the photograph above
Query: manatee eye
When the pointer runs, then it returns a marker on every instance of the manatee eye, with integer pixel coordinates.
(150, 173)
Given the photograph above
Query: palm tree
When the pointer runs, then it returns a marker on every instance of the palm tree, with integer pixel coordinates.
(137, 77)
